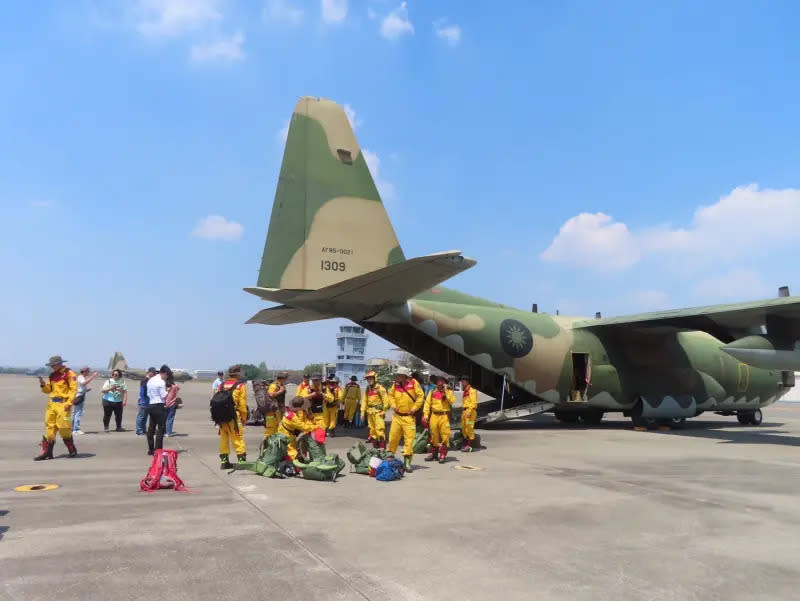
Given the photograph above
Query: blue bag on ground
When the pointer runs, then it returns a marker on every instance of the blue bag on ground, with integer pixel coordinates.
(390, 469)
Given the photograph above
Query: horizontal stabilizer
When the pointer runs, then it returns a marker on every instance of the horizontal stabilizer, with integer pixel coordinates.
(365, 295)
(282, 315)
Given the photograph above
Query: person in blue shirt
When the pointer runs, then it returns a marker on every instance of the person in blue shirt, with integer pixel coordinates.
(141, 417)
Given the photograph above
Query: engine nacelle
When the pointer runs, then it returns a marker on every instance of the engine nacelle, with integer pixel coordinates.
(765, 352)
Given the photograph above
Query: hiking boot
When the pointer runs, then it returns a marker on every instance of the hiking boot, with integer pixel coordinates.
(224, 464)
(332, 433)
(407, 463)
(382, 445)
(73, 452)
(442, 453)
(47, 449)
(242, 458)
(467, 448)
(434, 454)
(369, 439)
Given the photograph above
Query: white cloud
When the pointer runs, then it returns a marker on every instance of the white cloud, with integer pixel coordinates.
(174, 17)
(333, 11)
(737, 284)
(283, 133)
(386, 188)
(449, 33)
(397, 23)
(222, 49)
(282, 11)
(595, 241)
(216, 227)
(745, 222)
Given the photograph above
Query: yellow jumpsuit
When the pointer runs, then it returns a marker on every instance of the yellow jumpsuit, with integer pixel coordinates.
(352, 397)
(437, 412)
(330, 411)
(318, 417)
(233, 431)
(405, 401)
(469, 412)
(61, 387)
(292, 424)
(374, 407)
(271, 420)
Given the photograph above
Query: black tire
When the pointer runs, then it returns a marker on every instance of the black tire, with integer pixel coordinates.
(567, 417)
(677, 422)
(756, 417)
(743, 417)
(591, 418)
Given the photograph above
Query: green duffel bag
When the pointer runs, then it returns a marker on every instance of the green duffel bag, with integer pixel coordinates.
(326, 469)
(271, 453)
(457, 440)
(308, 446)
(422, 441)
(360, 455)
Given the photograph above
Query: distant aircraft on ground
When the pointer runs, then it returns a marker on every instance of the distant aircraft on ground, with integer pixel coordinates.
(117, 361)
(331, 251)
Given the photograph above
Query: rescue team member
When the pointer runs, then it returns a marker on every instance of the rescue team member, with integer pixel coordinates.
(436, 416)
(233, 431)
(469, 411)
(375, 404)
(405, 398)
(352, 397)
(305, 384)
(318, 397)
(61, 386)
(330, 413)
(277, 394)
(296, 421)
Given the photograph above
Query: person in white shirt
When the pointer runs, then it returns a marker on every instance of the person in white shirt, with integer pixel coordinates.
(156, 412)
(84, 379)
(217, 383)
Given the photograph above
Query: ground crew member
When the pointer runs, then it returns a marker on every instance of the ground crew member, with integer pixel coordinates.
(469, 411)
(376, 402)
(296, 421)
(331, 409)
(318, 397)
(405, 398)
(61, 386)
(277, 399)
(352, 397)
(436, 416)
(305, 384)
(233, 431)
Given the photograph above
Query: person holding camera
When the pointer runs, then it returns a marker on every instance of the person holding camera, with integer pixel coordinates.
(115, 397)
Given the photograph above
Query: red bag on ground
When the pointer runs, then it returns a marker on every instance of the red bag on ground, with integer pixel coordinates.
(163, 472)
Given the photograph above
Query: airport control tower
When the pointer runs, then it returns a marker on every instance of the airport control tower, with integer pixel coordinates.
(351, 360)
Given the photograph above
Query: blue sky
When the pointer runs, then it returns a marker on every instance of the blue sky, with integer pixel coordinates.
(615, 157)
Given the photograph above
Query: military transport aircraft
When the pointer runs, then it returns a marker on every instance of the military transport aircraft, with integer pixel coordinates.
(331, 251)
(117, 361)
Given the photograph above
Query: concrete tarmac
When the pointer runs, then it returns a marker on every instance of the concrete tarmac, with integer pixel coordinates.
(555, 512)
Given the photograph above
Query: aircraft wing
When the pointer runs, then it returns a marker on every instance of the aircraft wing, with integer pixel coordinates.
(781, 316)
(282, 315)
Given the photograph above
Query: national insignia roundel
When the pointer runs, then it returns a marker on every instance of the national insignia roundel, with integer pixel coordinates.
(515, 338)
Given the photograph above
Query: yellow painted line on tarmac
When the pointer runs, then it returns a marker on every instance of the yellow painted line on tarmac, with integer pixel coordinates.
(36, 487)
(468, 467)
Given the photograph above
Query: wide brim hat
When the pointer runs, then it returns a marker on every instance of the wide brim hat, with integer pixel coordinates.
(55, 359)
(306, 406)
(370, 374)
(354, 378)
(403, 371)
(282, 374)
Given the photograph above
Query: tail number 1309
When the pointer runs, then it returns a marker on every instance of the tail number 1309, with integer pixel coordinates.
(332, 265)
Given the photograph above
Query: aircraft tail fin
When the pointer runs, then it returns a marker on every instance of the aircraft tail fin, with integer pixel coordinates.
(117, 361)
(328, 222)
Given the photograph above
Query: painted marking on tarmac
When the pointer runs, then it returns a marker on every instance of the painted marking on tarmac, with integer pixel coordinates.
(247, 488)
(468, 467)
(36, 487)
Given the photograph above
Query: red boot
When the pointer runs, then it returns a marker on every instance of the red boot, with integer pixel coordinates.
(442, 453)
(47, 449)
(73, 452)
(382, 445)
(434, 454)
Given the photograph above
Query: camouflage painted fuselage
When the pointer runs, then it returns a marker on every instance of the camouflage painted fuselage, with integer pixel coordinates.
(674, 372)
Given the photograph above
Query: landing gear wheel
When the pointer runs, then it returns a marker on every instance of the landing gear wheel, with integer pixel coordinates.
(744, 418)
(567, 417)
(677, 422)
(643, 422)
(756, 417)
(591, 418)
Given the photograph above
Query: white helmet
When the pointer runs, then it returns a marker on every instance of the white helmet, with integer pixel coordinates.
(403, 371)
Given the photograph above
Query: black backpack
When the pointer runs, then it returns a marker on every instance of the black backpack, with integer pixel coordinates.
(223, 409)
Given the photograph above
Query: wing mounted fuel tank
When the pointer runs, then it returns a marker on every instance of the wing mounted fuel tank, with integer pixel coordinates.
(765, 352)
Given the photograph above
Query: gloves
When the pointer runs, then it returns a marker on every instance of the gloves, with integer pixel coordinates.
(424, 422)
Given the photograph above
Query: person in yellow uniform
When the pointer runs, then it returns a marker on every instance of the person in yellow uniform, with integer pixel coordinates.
(233, 431)
(436, 416)
(276, 404)
(352, 397)
(405, 399)
(319, 397)
(469, 411)
(61, 386)
(330, 413)
(296, 421)
(302, 386)
(376, 402)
